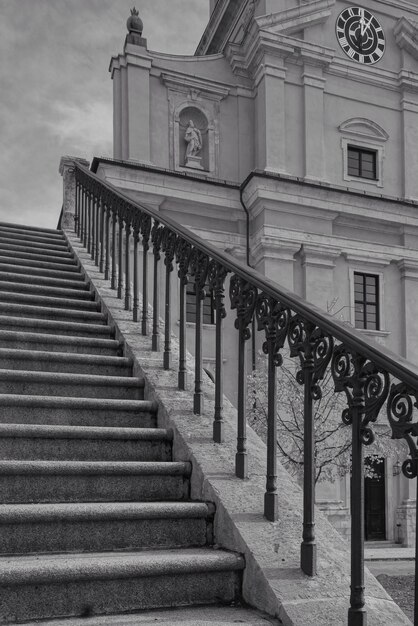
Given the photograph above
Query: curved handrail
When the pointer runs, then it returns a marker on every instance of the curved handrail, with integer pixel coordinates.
(385, 359)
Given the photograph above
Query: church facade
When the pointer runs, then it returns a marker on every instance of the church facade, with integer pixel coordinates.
(290, 140)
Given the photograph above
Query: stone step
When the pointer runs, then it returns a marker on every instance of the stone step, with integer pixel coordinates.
(42, 252)
(45, 281)
(23, 442)
(38, 290)
(48, 301)
(181, 616)
(53, 232)
(13, 339)
(96, 527)
(42, 272)
(92, 481)
(24, 235)
(37, 257)
(80, 584)
(43, 361)
(103, 412)
(21, 382)
(52, 313)
(33, 243)
(70, 268)
(65, 327)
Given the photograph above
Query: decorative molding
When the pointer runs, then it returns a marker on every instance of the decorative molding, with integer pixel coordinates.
(408, 81)
(406, 36)
(193, 86)
(298, 18)
(371, 76)
(363, 128)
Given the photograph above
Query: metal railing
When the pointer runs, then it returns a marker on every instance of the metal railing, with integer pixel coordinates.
(108, 221)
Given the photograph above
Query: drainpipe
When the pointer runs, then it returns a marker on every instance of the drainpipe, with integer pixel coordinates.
(247, 216)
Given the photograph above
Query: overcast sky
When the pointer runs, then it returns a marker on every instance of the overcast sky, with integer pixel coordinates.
(56, 91)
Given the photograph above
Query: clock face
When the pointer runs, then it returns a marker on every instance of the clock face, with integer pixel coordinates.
(360, 35)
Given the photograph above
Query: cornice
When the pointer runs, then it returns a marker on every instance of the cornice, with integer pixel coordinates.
(229, 12)
(408, 81)
(298, 18)
(406, 36)
(184, 83)
(375, 76)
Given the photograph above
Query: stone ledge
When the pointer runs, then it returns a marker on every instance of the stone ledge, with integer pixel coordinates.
(272, 580)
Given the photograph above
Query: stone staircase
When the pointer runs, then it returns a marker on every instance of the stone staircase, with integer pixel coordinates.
(95, 517)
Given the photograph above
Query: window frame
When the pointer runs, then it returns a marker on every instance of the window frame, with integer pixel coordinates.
(366, 146)
(367, 303)
(361, 152)
(370, 271)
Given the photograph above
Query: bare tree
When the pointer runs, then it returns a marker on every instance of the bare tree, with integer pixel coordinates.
(332, 436)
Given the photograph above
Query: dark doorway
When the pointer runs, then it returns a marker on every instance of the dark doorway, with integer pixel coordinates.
(375, 500)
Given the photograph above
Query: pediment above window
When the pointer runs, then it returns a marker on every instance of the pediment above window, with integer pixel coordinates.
(363, 128)
(406, 36)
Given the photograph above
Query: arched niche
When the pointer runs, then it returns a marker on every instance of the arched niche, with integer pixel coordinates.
(203, 120)
(193, 115)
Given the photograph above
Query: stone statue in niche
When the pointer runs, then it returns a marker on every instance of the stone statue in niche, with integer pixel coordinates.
(193, 138)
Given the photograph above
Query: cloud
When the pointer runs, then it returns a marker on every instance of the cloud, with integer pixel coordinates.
(56, 91)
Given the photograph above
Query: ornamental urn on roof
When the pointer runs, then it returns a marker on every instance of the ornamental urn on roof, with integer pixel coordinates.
(134, 23)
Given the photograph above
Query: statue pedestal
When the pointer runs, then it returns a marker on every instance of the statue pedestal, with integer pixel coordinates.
(194, 162)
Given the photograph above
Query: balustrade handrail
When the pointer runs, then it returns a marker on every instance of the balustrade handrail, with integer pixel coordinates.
(384, 358)
(106, 219)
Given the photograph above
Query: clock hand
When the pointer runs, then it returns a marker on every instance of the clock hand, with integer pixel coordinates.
(367, 26)
(362, 21)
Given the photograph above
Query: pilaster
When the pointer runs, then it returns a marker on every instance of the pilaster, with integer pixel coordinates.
(271, 115)
(409, 107)
(313, 93)
(318, 265)
(409, 306)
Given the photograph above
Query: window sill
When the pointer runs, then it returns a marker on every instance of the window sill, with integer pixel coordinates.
(374, 333)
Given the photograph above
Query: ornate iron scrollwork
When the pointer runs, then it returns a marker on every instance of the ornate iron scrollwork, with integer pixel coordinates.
(355, 374)
(243, 296)
(183, 251)
(400, 409)
(168, 246)
(314, 349)
(216, 276)
(274, 318)
(198, 264)
(156, 238)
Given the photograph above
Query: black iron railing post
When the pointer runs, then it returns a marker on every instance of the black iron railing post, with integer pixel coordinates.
(216, 279)
(156, 236)
(120, 259)
(127, 266)
(86, 218)
(113, 281)
(145, 231)
(103, 243)
(400, 411)
(135, 303)
(366, 389)
(92, 228)
(243, 297)
(77, 207)
(107, 244)
(183, 250)
(198, 267)
(274, 319)
(99, 239)
(314, 349)
(169, 241)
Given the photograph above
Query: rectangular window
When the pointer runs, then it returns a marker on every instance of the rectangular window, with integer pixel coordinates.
(208, 304)
(361, 163)
(366, 301)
